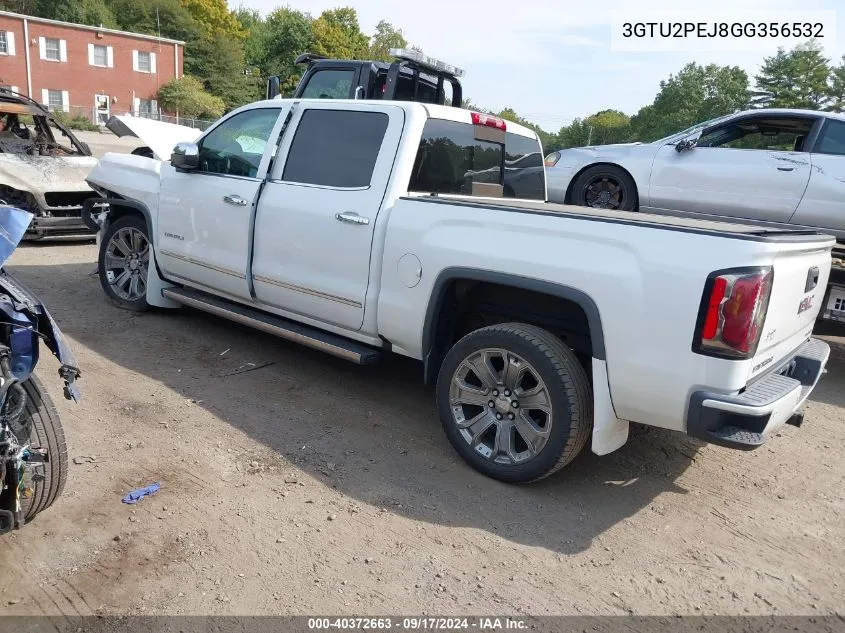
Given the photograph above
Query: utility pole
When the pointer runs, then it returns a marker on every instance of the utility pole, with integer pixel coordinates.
(590, 136)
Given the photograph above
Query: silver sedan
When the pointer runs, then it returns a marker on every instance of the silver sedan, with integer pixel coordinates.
(767, 166)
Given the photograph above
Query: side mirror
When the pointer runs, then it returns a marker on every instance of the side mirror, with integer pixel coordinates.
(274, 88)
(185, 156)
(687, 143)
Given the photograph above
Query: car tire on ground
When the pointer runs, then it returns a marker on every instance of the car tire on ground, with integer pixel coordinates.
(123, 261)
(42, 428)
(605, 187)
(514, 402)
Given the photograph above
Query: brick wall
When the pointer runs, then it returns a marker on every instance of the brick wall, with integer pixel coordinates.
(75, 78)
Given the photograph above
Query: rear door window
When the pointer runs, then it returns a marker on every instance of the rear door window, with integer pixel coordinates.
(329, 84)
(335, 148)
(452, 160)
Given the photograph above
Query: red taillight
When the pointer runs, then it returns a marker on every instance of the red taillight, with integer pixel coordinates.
(734, 314)
(490, 121)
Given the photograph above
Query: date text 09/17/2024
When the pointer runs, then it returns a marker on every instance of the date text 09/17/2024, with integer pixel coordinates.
(418, 623)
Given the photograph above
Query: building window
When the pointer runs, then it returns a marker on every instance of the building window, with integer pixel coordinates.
(144, 62)
(52, 49)
(4, 43)
(55, 103)
(101, 56)
(146, 108)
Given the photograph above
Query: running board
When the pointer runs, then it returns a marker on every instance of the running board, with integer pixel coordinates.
(277, 326)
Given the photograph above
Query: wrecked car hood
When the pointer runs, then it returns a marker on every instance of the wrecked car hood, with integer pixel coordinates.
(39, 174)
(159, 136)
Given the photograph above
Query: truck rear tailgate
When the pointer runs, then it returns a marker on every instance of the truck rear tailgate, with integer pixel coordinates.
(800, 276)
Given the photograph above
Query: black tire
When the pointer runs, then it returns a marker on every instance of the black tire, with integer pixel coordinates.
(605, 176)
(129, 221)
(568, 389)
(45, 431)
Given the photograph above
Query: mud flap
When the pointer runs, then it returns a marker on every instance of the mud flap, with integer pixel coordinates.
(609, 432)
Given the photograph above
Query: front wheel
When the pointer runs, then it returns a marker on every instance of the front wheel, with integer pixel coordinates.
(515, 402)
(605, 187)
(123, 262)
(40, 427)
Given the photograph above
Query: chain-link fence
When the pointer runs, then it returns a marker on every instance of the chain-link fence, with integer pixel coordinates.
(98, 117)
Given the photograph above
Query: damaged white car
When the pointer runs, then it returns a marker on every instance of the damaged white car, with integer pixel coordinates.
(43, 168)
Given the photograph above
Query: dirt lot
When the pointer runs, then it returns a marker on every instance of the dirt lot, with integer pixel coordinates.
(314, 486)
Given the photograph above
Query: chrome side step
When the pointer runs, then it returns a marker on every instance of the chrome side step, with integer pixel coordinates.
(277, 326)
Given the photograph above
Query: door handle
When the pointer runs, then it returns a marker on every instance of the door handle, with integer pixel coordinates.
(235, 200)
(351, 217)
(786, 168)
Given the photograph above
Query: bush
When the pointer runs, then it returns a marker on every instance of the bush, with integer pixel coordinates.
(188, 97)
(76, 122)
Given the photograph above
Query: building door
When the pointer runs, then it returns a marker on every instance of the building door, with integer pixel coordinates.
(101, 109)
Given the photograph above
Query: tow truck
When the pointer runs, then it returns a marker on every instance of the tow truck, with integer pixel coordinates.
(413, 76)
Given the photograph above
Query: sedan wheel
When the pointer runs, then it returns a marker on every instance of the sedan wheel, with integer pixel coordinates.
(605, 187)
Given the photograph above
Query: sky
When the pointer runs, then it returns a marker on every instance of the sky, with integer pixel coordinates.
(554, 60)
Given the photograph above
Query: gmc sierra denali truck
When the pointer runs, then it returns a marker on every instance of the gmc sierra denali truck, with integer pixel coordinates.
(360, 228)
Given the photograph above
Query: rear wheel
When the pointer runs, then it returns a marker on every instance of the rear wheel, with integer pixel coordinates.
(123, 262)
(605, 187)
(514, 402)
(40, 427)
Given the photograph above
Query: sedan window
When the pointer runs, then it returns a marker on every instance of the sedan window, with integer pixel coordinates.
(760, 133)
(832, 140)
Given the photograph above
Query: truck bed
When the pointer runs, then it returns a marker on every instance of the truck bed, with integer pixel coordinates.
(689, 225)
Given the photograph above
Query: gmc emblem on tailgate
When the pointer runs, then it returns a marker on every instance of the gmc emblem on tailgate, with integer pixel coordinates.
(806, 304)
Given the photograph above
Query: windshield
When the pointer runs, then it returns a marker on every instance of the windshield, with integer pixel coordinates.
(693, 128)
(25, 130)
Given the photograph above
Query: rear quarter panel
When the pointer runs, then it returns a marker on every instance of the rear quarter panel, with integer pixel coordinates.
(647, 284)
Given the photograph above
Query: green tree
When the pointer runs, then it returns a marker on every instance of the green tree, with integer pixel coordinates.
(696, 93)
(255, 44)
(576, 134)
(214, 18)
(607, 126)
(288, 33)
(794, 79)
(337, 35)
(90, 12)
(147, 17)
(187, 97)
(385, 38)
(218, 61)
(837, 88)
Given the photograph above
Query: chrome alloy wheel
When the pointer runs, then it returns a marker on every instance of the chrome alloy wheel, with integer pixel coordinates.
(501, 406)
(127, 258)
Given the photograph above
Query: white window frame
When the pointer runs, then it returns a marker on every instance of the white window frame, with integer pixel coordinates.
(9, 38)
(65, 99)
(92, 56)
(42, 46)
(136, 66)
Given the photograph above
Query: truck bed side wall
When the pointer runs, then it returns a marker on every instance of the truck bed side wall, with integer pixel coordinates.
(646, 283)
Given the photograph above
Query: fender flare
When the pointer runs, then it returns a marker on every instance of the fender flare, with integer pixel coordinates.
(92, 224)
(433, 356)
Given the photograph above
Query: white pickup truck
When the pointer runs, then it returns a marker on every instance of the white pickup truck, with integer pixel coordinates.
(365, 227)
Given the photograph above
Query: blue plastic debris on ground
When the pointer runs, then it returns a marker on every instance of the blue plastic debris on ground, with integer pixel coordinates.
(136, 495)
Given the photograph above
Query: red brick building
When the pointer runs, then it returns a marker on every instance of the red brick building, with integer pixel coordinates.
(85, 70)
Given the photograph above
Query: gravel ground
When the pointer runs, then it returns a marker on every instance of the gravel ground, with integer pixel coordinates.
(309, 485)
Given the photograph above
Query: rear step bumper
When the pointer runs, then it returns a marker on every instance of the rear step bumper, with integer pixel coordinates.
(744, 421)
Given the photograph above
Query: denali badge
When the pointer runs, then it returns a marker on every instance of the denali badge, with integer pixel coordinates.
(806, 304)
